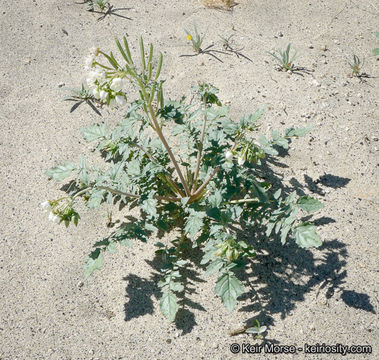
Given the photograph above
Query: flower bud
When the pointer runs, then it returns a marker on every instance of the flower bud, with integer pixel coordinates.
(46, 206)
(117, 84)
(120, 100)
(103, 95)
(54, 218)
(228, 156)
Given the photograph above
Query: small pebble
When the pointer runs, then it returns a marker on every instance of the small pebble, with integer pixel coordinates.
(61, 84)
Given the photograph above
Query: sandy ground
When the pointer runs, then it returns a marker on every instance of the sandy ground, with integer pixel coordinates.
(328, 295)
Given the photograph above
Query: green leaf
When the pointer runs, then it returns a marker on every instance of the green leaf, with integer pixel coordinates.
(298, 132)
(126, 242)
(95, 199)
(229, 288)
(95, 262)
(375, 51)
(111, 248)
(214, 266)
(175, 286)
(169, 305)
(306, 236)
(250, 119)
(309, 204)
(259, 191)
(150, 206)
(94, 132)
(83, 174)
(284, 233)
(256, 330)
(134, 168)
(194, 222)
(279, 140)
(60, 172)
(215, 199)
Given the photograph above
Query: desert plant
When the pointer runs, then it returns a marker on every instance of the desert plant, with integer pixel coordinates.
(96, 4)
(284, 58)
(196, 39)
(82, 96)
(356, 66)
(257, 329)
(207, 192)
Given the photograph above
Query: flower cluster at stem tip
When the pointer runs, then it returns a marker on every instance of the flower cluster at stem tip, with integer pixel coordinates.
(108, 91)
(52, 217)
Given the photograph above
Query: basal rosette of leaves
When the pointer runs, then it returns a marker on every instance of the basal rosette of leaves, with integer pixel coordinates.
(210, 188)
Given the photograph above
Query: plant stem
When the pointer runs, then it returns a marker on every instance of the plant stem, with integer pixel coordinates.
(122, 193)
(197, 194)
(242, 201)
(167, 176)
(163, 139)
(200, 150)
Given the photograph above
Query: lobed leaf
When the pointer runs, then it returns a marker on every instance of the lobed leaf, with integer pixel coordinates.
(306, 236)
(95, 262)
(309, 204)
(228, 287)
(169, 305)
(61, 172)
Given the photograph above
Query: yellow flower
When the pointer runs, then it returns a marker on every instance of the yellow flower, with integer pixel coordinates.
(189, 37)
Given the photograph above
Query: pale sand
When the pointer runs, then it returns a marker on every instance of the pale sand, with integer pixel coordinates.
(328, 295)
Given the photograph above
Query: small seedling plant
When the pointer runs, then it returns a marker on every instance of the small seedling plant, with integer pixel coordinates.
(356, 66)
(284, 58)
(104, 8)
(82, 96)
(199, 197)
(286, 61)
(196, 41)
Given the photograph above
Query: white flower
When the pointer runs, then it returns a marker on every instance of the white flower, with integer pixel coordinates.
(45, 206)
(241, 161)
(228, 156)
(54, 218)
(120, 100)
(96, 93)
(103, 95)
(93, 76)
(117, 84)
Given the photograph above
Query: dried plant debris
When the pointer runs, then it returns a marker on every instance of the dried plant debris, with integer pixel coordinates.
(219, 4)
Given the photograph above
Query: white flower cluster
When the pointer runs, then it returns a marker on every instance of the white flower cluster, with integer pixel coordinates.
(52, 217)
(229, 158)
(107, 91)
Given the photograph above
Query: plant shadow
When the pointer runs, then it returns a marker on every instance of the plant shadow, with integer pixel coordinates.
(140, 292)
